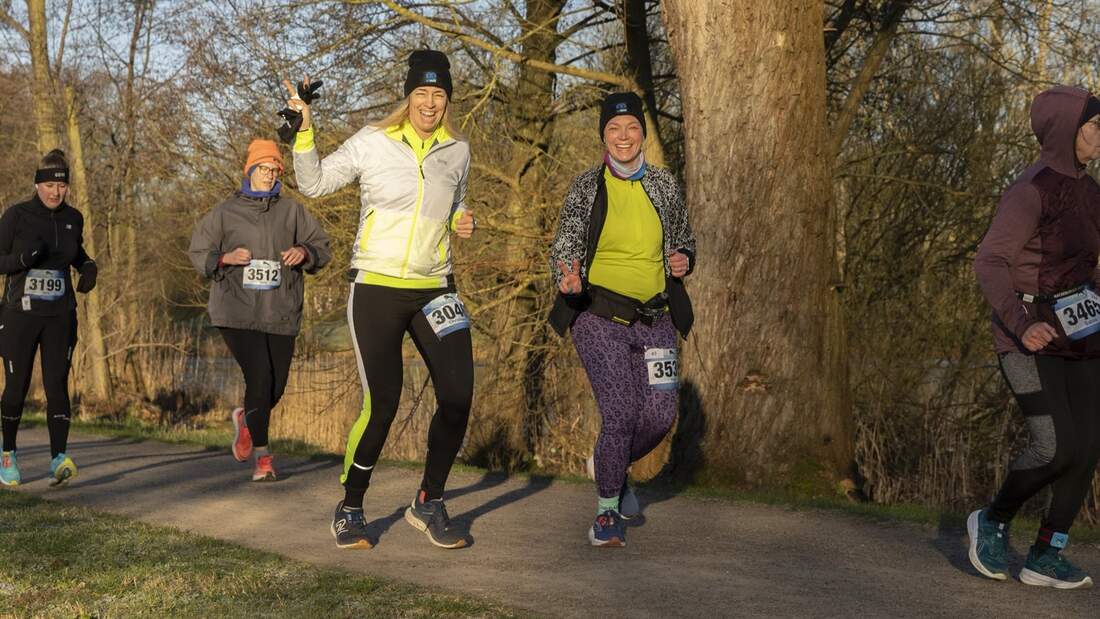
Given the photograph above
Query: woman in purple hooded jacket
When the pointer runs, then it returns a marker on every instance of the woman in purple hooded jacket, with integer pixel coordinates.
(1037, 268)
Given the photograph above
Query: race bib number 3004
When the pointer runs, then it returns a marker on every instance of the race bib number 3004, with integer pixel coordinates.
(662, 368)
(446, 314)
(262, 274)
(1079, 314)
(45, 284)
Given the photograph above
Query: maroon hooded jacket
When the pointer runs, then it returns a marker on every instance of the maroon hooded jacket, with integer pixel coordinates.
(1045, 235)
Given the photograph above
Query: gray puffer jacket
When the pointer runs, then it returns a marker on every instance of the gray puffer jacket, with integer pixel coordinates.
(266, 227)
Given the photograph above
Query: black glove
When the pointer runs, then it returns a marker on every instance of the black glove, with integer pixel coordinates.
(88, 272)
(292, 122)
(309, 94)
(33, 253)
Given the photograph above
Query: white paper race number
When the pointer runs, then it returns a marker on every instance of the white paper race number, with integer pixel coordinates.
(1079, 314)
(262, 274)
(663, 368)
(44, 284)
(446, 314)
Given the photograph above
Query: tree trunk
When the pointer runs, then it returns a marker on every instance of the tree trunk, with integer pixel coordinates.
(45, 113)
(640, 65)
(93, 329)
(766, 365)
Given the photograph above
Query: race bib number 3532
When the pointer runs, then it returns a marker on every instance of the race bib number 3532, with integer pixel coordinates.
(44, 284)
(446, 314)
(262, 274)
(662, 367)
(1079, 314)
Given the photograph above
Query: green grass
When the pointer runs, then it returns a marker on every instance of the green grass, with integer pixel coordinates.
(796, 497)
(64, 561)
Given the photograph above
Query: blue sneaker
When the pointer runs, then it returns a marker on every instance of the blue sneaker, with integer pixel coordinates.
(431, 518)
(9, 470)
(1048, 568)
(607, 530)
(988, 541)
(350, 528)
(62, 469)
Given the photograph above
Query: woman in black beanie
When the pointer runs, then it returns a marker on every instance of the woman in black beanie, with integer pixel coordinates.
(411, 168)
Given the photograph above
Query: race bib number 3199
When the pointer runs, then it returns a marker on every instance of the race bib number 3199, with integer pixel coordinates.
(44, 284)
(1079, 314)
(262, 274)
(446, 314)
(662, 367)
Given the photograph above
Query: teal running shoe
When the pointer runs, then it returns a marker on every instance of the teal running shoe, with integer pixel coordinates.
(988, 541)
(62, 469)
(9, 469)
(1048, 568)
(607, 530)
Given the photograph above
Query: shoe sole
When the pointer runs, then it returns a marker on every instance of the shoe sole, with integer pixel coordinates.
(265, 477)
(1035, 579)
(364, 544)
(9, 483)
(63, 475)
(240, 457)
(423, 528)
(972, 532)
(614, 542)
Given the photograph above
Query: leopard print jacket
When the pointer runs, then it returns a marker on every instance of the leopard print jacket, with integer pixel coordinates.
(663, 190)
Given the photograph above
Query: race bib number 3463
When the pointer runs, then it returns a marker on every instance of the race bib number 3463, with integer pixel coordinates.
(45, 284)
(662, 367)
(446, 314)
(1079, 314)
(262, 274)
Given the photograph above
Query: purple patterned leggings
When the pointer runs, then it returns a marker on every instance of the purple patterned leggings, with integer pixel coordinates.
(637, 401)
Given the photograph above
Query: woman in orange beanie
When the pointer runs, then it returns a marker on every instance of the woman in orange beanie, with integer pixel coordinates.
(255, 247)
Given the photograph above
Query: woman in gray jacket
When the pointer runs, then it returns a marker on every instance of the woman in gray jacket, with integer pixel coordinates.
(255, 247)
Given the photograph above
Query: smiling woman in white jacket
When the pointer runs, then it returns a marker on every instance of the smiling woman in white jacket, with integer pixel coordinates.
(412, 168)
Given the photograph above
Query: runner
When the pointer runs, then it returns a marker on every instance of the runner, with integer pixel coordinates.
(40, 240)
(1037, 269)
(622, 247)
(256, 246)
(411, 167)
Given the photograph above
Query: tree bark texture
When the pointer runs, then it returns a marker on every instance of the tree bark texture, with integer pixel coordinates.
(45, 112)
(765, 369)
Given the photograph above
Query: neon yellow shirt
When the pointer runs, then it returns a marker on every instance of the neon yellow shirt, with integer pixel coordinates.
(629, 257)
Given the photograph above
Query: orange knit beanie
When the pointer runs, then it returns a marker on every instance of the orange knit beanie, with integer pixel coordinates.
(263, 151)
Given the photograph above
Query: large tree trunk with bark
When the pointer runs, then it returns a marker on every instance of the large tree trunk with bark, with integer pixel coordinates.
(45, 112)
(765, 370)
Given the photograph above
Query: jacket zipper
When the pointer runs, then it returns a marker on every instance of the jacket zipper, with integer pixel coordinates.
(416, 210)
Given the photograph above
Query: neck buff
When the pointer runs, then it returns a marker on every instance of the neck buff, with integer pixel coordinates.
(246, 189)
(619, 170)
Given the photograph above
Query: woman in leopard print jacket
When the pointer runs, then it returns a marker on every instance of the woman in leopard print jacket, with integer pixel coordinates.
(622, 249)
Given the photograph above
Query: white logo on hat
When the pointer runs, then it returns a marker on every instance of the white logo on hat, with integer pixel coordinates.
(430, 76)
(68, 226)
(621, 108)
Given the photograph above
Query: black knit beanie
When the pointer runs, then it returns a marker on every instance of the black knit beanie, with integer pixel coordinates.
(428, 67)
(1092, 108)
(619, 103)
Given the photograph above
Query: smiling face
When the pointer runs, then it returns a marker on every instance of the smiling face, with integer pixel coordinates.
(52, 193)
(623, 137)
(263, 177)
(426, 107)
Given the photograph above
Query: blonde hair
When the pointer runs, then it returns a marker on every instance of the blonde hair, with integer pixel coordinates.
(401, 113)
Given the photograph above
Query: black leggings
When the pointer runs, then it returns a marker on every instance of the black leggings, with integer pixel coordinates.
(1060, 401)
(265, 361)
(21, 335)
(379, 317)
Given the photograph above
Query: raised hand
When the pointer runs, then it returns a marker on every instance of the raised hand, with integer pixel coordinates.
(570, 278)
(301, 105)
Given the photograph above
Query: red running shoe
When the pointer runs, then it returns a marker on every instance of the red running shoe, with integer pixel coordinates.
(264, 471)
(242, 440)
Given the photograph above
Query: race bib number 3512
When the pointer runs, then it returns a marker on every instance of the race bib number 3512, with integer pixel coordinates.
(662, 367)
(262, 274)
(446, 314)
(44, 284)
(1079, 314)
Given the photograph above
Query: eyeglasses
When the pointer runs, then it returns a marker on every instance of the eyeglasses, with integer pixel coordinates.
(268, 169)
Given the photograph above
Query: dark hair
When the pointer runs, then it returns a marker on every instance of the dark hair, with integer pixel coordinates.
(55, 159)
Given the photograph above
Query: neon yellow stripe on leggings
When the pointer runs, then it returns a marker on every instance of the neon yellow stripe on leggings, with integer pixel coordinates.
(356, 435)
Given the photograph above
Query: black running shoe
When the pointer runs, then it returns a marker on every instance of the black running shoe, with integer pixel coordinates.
(431, 518)
(350, 529)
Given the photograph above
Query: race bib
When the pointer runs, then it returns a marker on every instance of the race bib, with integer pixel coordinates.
(662, 368)
(44, 284)
(1079, 314)
(446, 314)
(262, 274)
